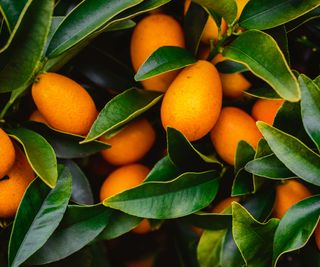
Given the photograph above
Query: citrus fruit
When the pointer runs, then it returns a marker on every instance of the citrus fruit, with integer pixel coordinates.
(266, 110)
(7, 153)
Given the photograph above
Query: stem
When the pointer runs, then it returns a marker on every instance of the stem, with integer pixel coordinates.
(14, 95)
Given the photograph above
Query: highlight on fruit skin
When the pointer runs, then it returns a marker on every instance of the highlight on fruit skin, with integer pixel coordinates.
(193, 101)
(124, 178)
(266, 110)
(151, 33)
(130, 144)
(7, 153)
(64, 104)
(14, 185)
(233, 126)
(233, 84)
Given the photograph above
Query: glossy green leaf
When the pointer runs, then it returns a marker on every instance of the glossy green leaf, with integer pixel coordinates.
(295, 24)
(229, 66)
(317, 81)
(11, 11)
(295, 155)
(66, 145)
(20, 61)
(250, 49)
(56, 21)
(81, 190)
(163, 170)
(80, 225)
(209, 248)
(182, 196)
(40, 154)
(296, 227)
(210, 221)
(266, 14)
(164, 59)
(243, 183)
(120, 224)
(270, 167)
(264, 92)
(310, 108)
(224, 8)
(121, 25)
(120, 110)
(86, 18)
(184, 155)
(254, 239)
(38, 215)
(230, 254)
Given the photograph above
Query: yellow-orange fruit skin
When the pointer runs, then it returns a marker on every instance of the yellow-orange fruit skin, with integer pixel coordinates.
(13, 188)
(233, 126)
(64, 104)
(7, 153)
(37, 117)
(151, 33)
(193, 101)
(233, 84)
(266, 110)
(131, 144)
(240, 5)
(223, 204)
(288, 194)
(124, 178)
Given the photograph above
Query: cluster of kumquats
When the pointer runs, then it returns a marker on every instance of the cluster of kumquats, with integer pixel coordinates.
(192, 103)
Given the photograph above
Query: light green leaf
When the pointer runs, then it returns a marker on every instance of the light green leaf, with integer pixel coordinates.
(12, 11)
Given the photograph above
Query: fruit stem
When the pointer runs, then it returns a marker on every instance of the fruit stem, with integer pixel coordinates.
(14, 95)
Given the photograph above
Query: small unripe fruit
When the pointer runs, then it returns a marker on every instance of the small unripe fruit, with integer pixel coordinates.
(64, 104)
(193, 101)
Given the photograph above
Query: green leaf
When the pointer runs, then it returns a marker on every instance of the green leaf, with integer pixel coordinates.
(182, 196)
(121, 25)
(163, 170)
(120, 224)
(81, 190)
(254, 239)
(224, 8)
(80, 225)
(38, 215)
(295, 155)
(264, 92)
(266, 14)
(83, 20)
(20, 61)
(243, 182)
(66, 145)
(209, 248)
(296, 227)
(230, 254)
(210, 221)
(310, 108)
(120, 110)
(40, 154)
(229, 66)
(317, 81)
(295, 24)
(164, 59)
(260, 53)
(184, 155)
(269, 167)
(12, 11)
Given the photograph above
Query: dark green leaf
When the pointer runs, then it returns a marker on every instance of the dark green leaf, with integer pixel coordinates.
(56, 21)
(266, 14)
(182, 196)
(38, 215)
(251, 48)
(310, 108)
(296, 227)
(40, 154)
(224, 8)
(81, 190)
(254, 239)
(184, 155)
(12, 11)
(20, 61)
(66, 145)
(230, 254)
(163, 170)
(229, 66)
(164, 59)
(120, 110)
(270, 167)
(121, 25)
(295, 155)
(86, 18)
(311, 15)
(210, 221)
(80, 225)
(265, 92)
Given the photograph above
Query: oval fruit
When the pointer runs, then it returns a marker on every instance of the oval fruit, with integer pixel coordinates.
(7, 153)
(193, 101)
(13, 186)
(131, 144)
(151, 33)
(233, 126)
(64, 104)
(266, 109)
